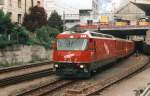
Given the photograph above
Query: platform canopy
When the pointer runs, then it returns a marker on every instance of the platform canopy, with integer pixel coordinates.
(145, 6)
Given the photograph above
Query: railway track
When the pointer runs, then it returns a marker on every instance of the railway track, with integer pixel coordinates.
(106, 80)
(10, 69)
(124, 79)
(20, 74)
(46, 89)
(88, 87)
(25, 77)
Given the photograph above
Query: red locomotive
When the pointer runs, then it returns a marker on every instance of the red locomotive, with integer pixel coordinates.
(78, 54)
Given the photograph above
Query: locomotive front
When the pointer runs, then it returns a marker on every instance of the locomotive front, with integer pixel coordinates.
(72, 56)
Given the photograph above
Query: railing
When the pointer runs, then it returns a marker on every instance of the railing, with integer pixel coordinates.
(111, 26)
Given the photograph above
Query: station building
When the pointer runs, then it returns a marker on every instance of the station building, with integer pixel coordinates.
(17, 8)
(130, 12)
(134, 10)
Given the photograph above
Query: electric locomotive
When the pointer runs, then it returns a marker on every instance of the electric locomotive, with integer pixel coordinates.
(78, 54)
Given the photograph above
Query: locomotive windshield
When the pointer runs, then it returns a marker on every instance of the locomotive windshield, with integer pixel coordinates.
(71, 44)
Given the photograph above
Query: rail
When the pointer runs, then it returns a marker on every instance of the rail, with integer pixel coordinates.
(46, 89)
(18, 74)
(25, 77)
(3, 70)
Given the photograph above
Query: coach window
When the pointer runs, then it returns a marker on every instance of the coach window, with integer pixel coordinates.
(107, 36)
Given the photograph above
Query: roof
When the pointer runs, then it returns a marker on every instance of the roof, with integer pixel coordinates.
(121, 8)
(144, 6)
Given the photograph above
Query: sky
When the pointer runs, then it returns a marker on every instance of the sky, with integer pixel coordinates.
(111, 5)
(78, 4)
(106, 6)
(68, 5)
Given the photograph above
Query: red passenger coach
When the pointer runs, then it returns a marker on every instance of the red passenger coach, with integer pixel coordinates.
(78, 54)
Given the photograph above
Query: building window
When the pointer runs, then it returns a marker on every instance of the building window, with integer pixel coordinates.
(10, 2)
(1, 2)
(10, 14)
(19, 3)
(89, 22)
(19, 18)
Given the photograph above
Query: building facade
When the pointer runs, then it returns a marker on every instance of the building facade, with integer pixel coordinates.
(74, 11)
(17, 8)
(130, 12)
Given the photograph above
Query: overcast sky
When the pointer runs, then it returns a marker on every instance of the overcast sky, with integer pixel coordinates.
(111, 5)
(105, 5)
(73, 5)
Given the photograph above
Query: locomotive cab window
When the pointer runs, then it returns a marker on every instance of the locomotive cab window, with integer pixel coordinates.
(72, 44)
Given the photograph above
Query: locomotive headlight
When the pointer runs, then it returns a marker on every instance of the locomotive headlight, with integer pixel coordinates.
(81, 66)
(56, 65)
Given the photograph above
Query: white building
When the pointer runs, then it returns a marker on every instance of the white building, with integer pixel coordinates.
(74, 11)
(130, 12)
(141, 1)
(17, 8)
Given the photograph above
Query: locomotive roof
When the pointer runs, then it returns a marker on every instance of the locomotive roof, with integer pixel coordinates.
(106, 36)
(97, 35)
(90, 34)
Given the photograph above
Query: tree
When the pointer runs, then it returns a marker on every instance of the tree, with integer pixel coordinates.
(36, 18)
(19, 34)
(5, 29)
(55, 21)
(46, 35)
(11, 33)
(5, 23)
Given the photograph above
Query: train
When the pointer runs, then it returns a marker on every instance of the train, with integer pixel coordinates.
(80, 54)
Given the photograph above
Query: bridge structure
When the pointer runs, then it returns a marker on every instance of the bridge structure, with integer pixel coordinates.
(118, 31)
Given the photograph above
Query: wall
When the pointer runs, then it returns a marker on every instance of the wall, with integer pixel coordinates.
(24, 54)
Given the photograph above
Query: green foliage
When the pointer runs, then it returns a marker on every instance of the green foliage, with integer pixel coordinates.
(46, 35)
(11, 33)
(35, 19)
(5, 23)
(5, 42)
(5, 29)
(55, 21)
(19, 34)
